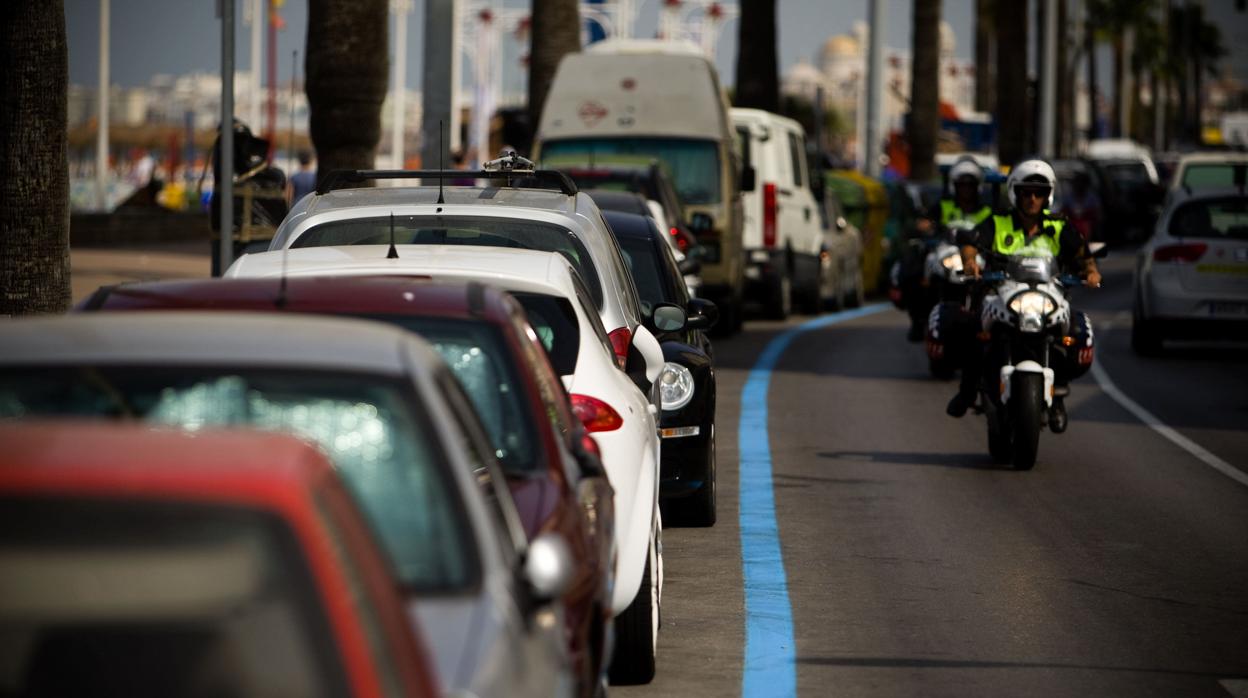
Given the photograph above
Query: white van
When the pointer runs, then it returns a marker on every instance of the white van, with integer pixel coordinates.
(629, 97)
(783, 232)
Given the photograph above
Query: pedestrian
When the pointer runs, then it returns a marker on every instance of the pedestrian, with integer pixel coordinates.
(302, 182)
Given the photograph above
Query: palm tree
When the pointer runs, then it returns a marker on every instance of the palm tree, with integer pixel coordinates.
(34, 166)
(758, 73)
(555, 32)
(924, 123)
(1113, 19)
(346, 68)
(1011, 25)
(985, 99)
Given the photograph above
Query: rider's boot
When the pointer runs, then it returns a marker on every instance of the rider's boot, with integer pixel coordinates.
(1057, 412)
(960, 403)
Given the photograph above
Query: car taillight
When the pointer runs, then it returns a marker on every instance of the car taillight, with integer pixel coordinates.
(769, 214)
(681, 243)
(595, 414)
(1183, 253)
(620, 340)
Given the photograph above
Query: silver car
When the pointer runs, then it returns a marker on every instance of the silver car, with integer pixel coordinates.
(1191, 278)
(564, 221)
(392, 418)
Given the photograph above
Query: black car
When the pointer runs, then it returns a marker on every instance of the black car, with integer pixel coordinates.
(687, 384)
(652, 181)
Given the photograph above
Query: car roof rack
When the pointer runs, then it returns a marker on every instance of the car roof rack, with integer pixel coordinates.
(338, 177)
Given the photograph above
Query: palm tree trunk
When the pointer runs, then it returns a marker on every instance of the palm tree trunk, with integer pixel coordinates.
(1064, 83)
(1115, 123)
(758, 72)
(555, 32)
(924, 123)
(985, 98)
(1011, 16)
(1089, 39)
(34, 166)
(346, 67)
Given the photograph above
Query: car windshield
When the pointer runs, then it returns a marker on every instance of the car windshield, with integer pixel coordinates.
(1129, 174)
(165, 589)
(1213, 218)
(645, 265)
(481, 231)
(481, 362)
(694, 164)
(385, 453)
(1212, 175)
(554, 321)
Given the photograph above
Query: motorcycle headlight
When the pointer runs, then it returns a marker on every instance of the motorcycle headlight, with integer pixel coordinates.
(952, 262)
(1031, 303)
(675, 386)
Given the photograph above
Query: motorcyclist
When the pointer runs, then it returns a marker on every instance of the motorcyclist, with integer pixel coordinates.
(1027, 229)
(960, 204)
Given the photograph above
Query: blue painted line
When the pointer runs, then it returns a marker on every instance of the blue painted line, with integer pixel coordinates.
(770, 667)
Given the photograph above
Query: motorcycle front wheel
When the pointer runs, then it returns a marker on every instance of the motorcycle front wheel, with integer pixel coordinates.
(1028, 410)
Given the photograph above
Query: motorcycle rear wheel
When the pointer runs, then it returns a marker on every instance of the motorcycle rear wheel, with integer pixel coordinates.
(1028, 408)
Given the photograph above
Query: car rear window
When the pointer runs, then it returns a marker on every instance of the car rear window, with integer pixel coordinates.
(481, 231)
(1213, 218)
(477, 355)
(157, 598)
(554, 321)
(1213, 175)
(386, 454)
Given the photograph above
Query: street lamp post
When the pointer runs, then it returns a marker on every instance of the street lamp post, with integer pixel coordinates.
(101, 137)
(398, 117)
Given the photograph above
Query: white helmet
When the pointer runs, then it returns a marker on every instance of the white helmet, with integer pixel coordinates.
(965, 167)
(1032, 171)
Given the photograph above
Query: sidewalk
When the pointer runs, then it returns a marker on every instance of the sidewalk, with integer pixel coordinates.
(91, 268)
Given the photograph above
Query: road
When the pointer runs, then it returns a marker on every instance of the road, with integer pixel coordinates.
(915, 566)
(912, 565)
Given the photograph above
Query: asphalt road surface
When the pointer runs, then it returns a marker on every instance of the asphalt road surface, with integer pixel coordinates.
(916, 566)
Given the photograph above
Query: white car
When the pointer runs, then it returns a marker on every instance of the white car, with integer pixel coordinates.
(391, 417)
(564, 221)
(1191, 277)
(621, 420)
(783, 230)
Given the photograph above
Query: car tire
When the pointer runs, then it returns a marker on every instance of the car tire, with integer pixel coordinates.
(780, 295)
(637, 629)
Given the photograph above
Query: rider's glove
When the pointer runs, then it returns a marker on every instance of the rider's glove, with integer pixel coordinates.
(1093, 278)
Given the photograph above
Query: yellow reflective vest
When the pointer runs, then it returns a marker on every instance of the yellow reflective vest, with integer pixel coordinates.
(1009, 240)
(950, 212)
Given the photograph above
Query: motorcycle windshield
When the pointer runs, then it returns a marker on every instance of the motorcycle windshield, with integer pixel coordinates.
(1031, 269)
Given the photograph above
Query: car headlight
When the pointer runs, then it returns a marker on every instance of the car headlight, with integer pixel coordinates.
(1031, 302)
(675, 386)
(952, 262)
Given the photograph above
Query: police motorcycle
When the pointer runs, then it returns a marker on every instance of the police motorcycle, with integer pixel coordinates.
(1027, 315)
(951, 320)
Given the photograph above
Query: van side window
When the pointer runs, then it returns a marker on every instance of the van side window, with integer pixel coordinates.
(743, 138)
(797, 158)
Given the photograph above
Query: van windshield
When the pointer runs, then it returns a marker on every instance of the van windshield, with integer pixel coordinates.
(694, 163)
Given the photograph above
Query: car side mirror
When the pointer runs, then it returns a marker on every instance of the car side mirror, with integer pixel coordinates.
(669, 318)
(841, 223)
(689, 266)
(703, 314)
(548, 568)
(700, 223)
(749, 178)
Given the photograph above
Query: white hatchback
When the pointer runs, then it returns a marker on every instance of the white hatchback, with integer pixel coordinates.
(620, 419)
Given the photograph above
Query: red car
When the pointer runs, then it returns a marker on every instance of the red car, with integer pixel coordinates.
(145, 562)
(557, 481)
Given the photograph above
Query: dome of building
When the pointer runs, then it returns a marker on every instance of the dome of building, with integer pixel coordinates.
(841, 45)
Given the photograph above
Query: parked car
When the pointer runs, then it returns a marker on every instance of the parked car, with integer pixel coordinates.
(840, 258)
(657, 99)
(635, 203)
(145, 562)
(558, 484)
(646, 176)
(620, 418)
(396, 425)
(687, 384)
(1191, 277)
(782, 232)
(564, 221)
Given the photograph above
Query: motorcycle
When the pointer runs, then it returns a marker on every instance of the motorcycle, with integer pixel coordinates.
(951, 322)
(1028, 316)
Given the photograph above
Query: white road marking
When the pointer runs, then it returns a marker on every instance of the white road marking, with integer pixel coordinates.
(1236, 687)
(1160, 427)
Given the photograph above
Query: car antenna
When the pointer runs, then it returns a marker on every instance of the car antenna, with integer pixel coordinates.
(394, 252)
(441, 163)
(280, 301)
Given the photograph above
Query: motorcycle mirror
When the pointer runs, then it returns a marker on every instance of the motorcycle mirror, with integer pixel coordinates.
(1098, 250)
